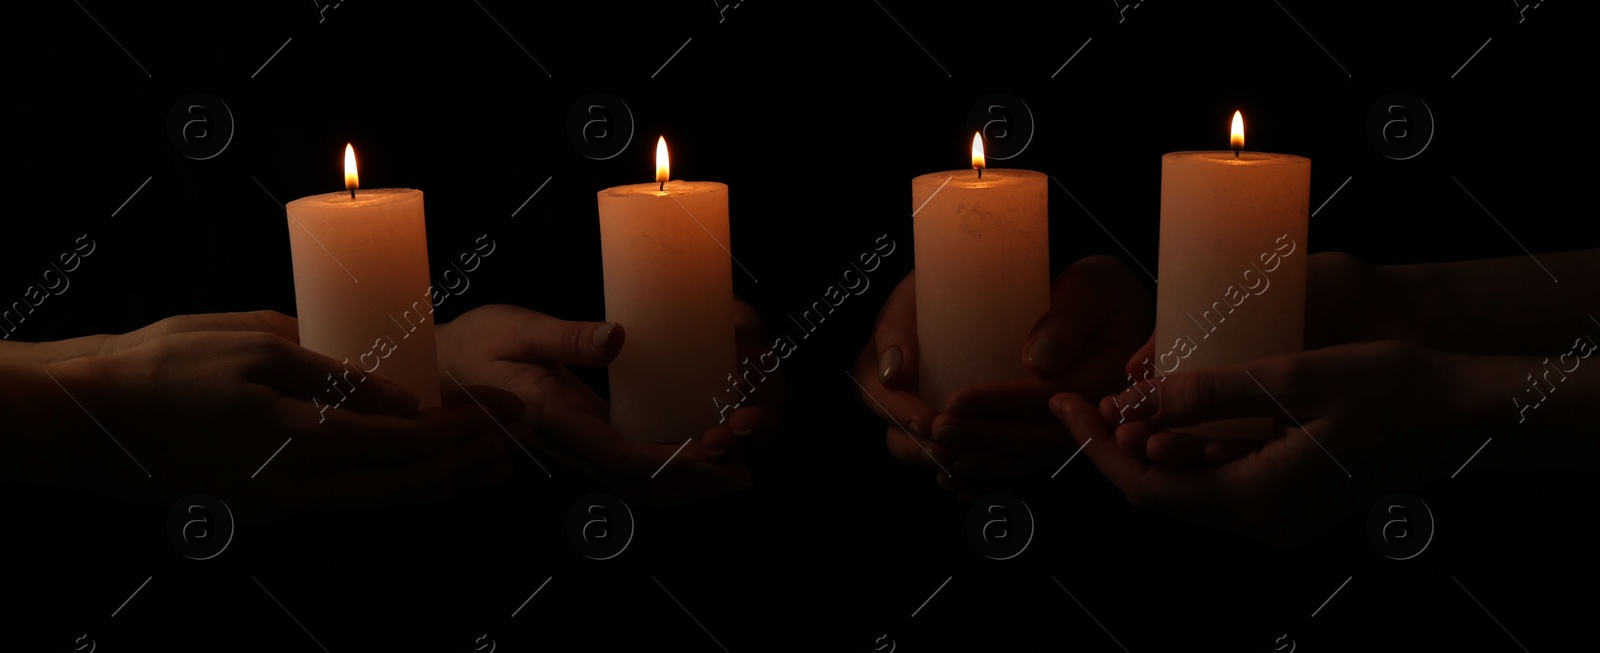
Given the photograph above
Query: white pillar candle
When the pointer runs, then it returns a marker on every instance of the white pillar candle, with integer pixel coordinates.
(1232, 263)
(669, 283)
(983, 273)
(361, 283)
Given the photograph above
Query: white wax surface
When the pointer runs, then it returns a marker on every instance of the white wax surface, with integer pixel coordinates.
(361, 284)
(669, 283)
(1232, 264)
(983, 275)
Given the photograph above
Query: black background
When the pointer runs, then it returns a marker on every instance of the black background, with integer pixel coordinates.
(816, 115)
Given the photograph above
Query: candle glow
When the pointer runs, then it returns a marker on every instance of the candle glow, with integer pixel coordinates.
(663, 168)
(1236, 140)
(351, 183)
(977, 153)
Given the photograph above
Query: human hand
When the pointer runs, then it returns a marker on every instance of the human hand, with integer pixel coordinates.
(886, 375)
(1378, 417)
(1099, 312)
(210, 409)
(528, 353)
(272, 322)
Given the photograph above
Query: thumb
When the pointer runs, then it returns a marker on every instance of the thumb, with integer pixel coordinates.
(538, 338)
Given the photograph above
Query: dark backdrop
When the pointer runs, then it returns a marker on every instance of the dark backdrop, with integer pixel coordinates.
(816, 115)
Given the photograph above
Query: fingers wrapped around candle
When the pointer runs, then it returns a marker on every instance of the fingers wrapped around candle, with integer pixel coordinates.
(895, 337)
(907, 416)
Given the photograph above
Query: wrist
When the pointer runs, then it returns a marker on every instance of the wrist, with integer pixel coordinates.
(1541, 412)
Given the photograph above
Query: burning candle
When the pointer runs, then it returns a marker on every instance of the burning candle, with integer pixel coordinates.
(1232, 262)
(669, 283)
(361, 282)
(983, 273)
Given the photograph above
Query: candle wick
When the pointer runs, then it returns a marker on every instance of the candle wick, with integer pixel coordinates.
(980, 173)
(663, 187)
(352, 193)
(1235, 152)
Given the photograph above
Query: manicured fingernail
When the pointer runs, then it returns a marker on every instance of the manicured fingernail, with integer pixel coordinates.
(891, 359)
(949, 433)
(398, 399)
(915, 429)
(602, 335)
(1044, 355)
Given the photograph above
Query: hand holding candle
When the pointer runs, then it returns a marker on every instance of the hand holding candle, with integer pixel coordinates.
(983, 273)
(669, 282)
(1232, 261)
(361, 284)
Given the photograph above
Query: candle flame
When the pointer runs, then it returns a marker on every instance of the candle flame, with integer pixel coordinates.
(1237, 139)
(663, 168)
(350, 181)
(977, 151)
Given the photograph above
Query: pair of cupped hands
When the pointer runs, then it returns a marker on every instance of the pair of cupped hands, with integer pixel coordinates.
(1362, 397)
(221, 403)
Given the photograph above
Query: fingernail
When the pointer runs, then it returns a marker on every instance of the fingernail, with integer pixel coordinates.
(1058, 404)
(743, 432)
(1044, 356)
(602, 335)
(944, 480)
(915, 429)
(717, 451)
(949, 433)
(397, 398)
(891, 359)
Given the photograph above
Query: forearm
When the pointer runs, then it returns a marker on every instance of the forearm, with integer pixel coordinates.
(1513, 305)
(1542, 412)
